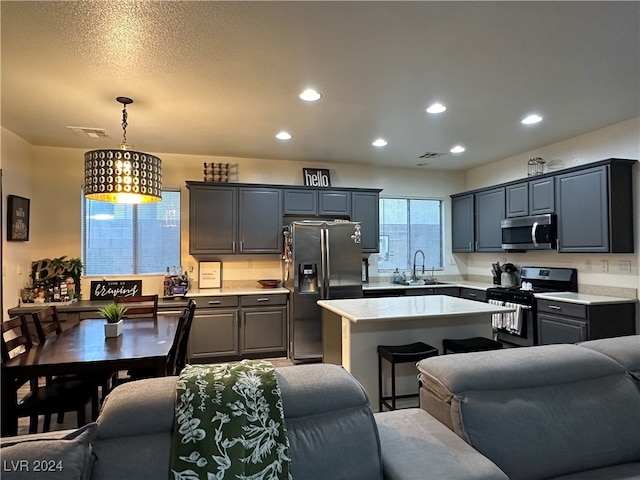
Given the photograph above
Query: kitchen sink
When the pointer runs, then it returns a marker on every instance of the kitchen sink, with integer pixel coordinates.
(420, 283)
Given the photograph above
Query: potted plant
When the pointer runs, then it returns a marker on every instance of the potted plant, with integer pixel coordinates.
(113, 313)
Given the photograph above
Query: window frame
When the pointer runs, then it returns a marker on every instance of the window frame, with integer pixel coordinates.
(411, 249)
(134, 239)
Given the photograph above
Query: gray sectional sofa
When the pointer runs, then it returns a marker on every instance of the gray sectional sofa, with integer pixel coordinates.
(559, 411)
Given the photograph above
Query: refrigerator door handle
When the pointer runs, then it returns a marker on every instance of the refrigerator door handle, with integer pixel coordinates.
(327, 273)
(323, 265)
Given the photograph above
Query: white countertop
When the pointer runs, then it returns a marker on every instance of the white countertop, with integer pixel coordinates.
(583, 298)
(407, 308)
(381, 285)
(217, 292)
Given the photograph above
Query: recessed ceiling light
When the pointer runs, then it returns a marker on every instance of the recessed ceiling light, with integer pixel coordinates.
(436, 108)
(283, 135)
(457, 149)
(310, 95)
(531, 119)
(380, 142)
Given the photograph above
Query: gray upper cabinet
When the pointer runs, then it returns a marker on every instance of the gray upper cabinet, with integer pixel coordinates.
(595, 209)
(490, 210)
(300, 202)
(462, 223)
(517, 200)
(248, 218)
(212, 220)
(364, 209)
(542, 196)
(260, 220)
(331, 202)
(533, 197)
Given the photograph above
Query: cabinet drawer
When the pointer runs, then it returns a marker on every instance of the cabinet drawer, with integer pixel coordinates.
(473, 294)
(263, 300)
(563, 308)
(221, 301)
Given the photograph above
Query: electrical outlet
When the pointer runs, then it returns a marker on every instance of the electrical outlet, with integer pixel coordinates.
(624, 266)
(589, 266)
(604, 266)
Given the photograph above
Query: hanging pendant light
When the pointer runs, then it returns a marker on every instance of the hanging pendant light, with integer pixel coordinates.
(122, 175)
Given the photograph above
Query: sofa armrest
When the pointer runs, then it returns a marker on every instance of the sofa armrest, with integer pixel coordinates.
(416, 445)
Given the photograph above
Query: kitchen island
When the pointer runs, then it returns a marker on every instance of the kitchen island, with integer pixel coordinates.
(353, 329)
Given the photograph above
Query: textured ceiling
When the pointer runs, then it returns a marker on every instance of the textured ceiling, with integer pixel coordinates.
(222, 78)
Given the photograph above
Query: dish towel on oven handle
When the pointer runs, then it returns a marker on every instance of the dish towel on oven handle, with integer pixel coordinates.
(229, 423)
(514, 322)
(497, 319)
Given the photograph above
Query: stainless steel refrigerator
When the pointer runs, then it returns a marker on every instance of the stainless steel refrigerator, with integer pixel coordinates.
(323, 260)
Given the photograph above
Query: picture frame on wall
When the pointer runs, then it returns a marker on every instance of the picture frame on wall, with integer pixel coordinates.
(209, 275)
(17, 218)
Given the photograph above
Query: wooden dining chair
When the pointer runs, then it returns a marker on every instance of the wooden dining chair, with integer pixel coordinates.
(45, 399)
(140, 306)
(177, 357)
(47, 323)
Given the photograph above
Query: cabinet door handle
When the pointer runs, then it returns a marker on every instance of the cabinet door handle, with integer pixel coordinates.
(233, 246)
(554, 307)
(471, 295)
(215, 302)
(262, 299)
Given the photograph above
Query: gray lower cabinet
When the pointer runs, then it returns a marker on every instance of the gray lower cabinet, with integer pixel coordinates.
(232, 328)
(490, 210)
(473, 294)
(565, 322)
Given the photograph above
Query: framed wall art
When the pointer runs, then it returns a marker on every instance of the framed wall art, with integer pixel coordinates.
(209, 275)
(17, 218)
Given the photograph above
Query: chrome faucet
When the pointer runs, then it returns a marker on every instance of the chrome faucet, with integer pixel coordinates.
(414, 277)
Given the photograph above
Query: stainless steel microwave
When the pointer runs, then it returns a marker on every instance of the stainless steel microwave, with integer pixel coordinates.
(537, 232)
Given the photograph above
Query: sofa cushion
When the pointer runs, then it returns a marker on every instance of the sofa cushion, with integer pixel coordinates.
(625, 471)
(540, 412)
(330, 425)
(53, 456)
(145, 457)
(138, 408)
(624, 350)
(416, 446)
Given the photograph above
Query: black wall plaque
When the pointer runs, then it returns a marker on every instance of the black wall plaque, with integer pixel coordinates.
(109, 289)
(316, 177)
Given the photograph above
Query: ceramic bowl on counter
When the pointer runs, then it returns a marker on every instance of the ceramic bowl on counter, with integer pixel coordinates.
(269, 283)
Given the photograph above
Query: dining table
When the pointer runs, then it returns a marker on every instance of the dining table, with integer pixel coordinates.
(84, 349)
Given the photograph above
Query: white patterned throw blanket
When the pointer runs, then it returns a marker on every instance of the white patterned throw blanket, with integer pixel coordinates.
(229, 424)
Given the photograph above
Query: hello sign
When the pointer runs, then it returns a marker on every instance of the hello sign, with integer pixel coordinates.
(316, 177)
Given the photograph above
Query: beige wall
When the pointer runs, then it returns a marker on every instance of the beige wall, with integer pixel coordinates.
(52, 178)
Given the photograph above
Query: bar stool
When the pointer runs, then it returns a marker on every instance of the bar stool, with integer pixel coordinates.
(464, 345)
(413, 353)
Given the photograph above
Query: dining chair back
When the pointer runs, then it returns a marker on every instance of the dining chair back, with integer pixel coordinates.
(46, 399)
(19, 340)
(140, 306)
(177, 358)
(46, 321)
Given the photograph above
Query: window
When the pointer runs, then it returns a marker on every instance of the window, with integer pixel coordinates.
(120, 239)
(408, 225)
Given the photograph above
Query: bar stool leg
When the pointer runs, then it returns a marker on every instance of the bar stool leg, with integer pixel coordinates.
(380, 382)
(393, 386)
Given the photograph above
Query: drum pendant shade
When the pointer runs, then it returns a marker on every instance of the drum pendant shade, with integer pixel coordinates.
(122, 175)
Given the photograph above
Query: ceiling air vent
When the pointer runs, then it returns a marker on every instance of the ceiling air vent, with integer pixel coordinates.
(428, 155)
(89, 132)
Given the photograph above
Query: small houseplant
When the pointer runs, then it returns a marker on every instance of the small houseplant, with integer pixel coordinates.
(113, 313)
